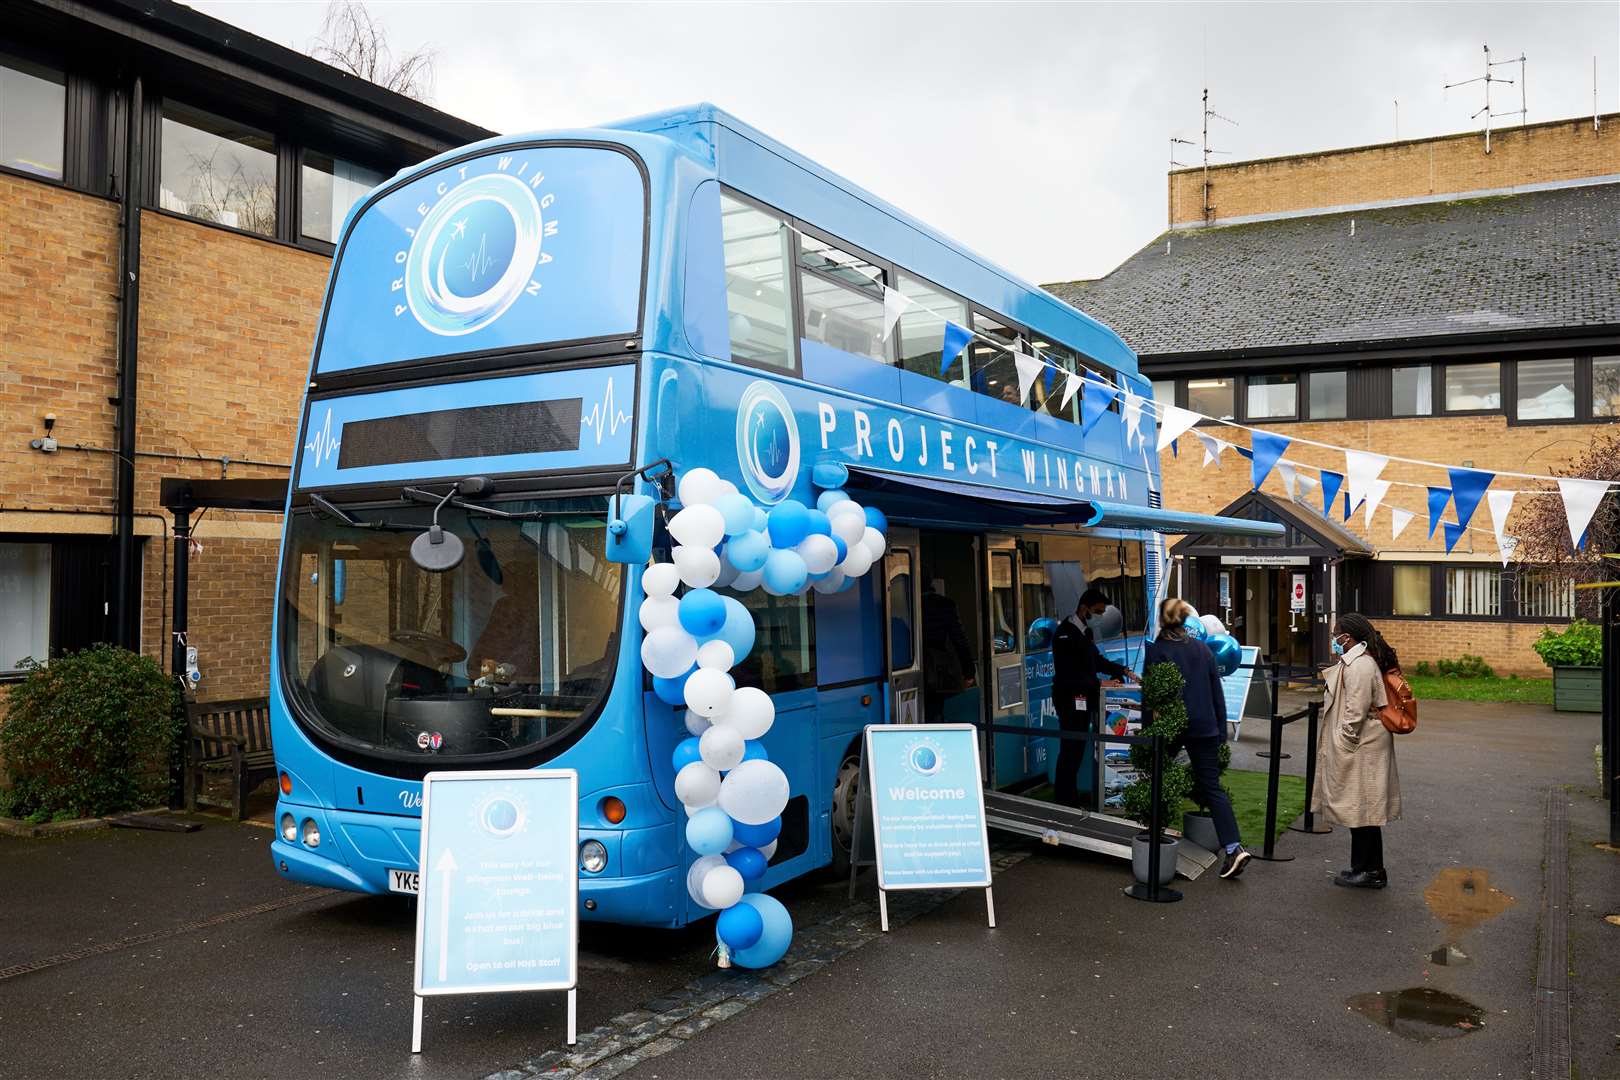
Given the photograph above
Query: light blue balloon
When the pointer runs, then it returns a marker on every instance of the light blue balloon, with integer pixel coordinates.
(876, 520)
(773, 940)
(738, 629)
(739, 926)
(789, 523)
(820, 524)
(761, 518)
(737, 510)
(828, 498)
(702, 613)
(785, 572)
(747, 551)
(708, 832)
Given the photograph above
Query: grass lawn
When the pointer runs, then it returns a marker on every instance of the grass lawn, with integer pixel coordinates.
(1440, 687)
(1248, 791)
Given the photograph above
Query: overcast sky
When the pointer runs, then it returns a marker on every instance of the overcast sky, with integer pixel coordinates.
(1037, 134)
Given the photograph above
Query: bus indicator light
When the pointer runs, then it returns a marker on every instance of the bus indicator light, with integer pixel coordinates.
(612, 809)
(286, 784)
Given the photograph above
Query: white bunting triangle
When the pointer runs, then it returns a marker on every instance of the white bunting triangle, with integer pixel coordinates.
(1213, 448)
(895, 303)
(1290, 478)
(1375, 495)
(1581, 499)
(1175, 423)
(1398, 521)
(1133, 418)
(1360, 470)
(1501, 504)
(1505, 547)
(1029, 369)
(1308, 484)
(1071, 386)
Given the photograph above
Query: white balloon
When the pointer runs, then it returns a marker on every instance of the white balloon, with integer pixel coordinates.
(849, 526)
(725, 488)
(700, 526)
(660, 579)
(700, 869)
(659, 611)
(818, 552)
(857, 562)
(708, 692)
(873, 541)
(754, 792)
(721, 748)
(696, 723)
(700, 486)
(716, 655)
(748, 581)
(699, 566)
(845, 506)
(1212, 624)
(751, 713)
(691, 811)
(722, 887)
(697, 785)
(768, 850)
(669, 652)
(831, 583)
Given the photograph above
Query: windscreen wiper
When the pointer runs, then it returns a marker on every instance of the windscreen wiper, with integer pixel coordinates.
(454, 499)
(332, 509)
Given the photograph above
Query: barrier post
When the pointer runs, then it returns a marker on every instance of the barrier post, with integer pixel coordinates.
(1276, 688)
(1273, 778)
(1152, 891)
(1312, 726)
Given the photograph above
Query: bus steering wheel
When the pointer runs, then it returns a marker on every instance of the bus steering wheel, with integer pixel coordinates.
(443, 650)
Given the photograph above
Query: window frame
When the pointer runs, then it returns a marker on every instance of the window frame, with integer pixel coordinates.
(796, 302)
(1299, 386)
(299, 152)
(891, 344)
(19, 51)
(1239, 388)
(1439, 390)
(1306, 376)
(1389, 401)
(1581, 376)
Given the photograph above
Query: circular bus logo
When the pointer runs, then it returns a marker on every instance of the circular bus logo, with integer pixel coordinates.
(473, 254)
(500, 816)
(767, 442)
(925, 759)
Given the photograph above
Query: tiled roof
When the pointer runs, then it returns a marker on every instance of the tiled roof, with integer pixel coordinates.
(1540, 260)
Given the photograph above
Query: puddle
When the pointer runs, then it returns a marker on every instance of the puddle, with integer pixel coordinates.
(1463, 897)
(1422, 1013)
(1612, 920)
(1449, 956)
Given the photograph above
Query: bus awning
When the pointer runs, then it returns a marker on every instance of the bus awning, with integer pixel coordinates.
(919, 497)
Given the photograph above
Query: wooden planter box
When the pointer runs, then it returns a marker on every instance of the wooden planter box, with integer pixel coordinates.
(1578, 689)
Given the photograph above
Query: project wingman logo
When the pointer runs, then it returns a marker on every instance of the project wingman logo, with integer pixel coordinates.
(477, 248)
(767, 442)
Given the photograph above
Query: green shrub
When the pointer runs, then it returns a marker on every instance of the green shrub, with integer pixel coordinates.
(1161, 695)
(1468, 666)
(1580, 644)
(1423, 668)
(88, 735)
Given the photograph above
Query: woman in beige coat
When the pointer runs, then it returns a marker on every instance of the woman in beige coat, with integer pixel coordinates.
(1356, 782)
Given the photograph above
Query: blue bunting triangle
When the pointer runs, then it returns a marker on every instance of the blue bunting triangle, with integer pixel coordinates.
(1467, 488)
(1267, 448)
(1438, 497)
(1453, 534)
(1331, 482)
(956, 339)
(1095, 397)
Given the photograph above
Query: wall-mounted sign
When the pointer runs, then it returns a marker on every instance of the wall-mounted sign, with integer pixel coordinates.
(1296, 597)
(1265, 560)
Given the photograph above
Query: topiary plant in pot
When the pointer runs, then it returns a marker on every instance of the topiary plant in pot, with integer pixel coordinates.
(1166, 716)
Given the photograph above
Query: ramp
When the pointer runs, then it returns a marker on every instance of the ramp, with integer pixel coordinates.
(1082, 829)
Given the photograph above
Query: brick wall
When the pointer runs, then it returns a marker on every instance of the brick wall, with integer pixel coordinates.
(1504, 646)
(1539, 153)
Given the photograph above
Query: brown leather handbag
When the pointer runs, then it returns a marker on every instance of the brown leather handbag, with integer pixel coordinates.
(1400, 715)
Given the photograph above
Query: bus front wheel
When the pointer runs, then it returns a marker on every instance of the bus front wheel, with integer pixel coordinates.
(846, 786)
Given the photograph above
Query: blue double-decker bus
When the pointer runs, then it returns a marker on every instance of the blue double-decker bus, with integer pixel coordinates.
(513, 330)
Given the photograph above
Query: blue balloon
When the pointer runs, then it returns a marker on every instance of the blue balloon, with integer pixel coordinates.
(708, 832)
(760, 519)
(788, 524)
(747, 551)
(740, 926)
(738, 512)
(820, 523)
(672, 691)
(754, 750)
(702, 613)
(749, 862)
(1228, 653)
(738, 629)
(843, 549)
(757, 835)
(785, 572)
(829, 498)
(773, 940)
(1195, 630)
(876, 520)
(829, 474)
(686, 752)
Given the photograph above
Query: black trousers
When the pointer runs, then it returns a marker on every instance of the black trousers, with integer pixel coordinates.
(1206, 767)
(1367, 848)
(1074, 755)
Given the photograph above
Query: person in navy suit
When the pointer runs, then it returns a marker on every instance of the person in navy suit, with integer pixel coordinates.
(1077, 689)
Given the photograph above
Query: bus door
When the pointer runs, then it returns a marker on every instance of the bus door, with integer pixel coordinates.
(1011, 764)
(901, 616)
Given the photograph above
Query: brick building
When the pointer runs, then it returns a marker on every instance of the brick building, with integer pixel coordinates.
(169, 190)
(1420, 299)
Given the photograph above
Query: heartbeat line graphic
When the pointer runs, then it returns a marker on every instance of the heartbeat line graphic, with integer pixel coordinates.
(478, 262)
(605, 414)
(321, 444)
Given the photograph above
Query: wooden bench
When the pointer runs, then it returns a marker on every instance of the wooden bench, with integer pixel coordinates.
(231, 736)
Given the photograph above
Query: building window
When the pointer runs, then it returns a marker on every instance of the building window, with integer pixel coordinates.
(1473, 387)
(1546, 390)
(1542, 594)
(1164, 393)
(1606, 386)
(843, 299)
(1411, 391)
(329, 186)
(758, 300)
(994, 373)
(1046, 396)
(1329, 394)
(33, 109)
(217, 170)
(1473, 591)
(25, 585)
(1213, 397)
(922, 330)
(1412, 592)
(1273, 397)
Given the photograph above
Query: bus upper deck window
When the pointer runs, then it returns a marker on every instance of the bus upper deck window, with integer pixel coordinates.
(759, 304)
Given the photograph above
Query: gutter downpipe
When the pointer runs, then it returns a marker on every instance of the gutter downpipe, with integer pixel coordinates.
(126, 594)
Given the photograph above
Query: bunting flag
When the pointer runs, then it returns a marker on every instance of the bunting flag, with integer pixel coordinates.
(1095, 397)
(1361, 469)
(1467, 487)
(1453, 534)
(1348, 509)
(1133, 419)
(1213, 447)
(1028, 368)
(1398, 521)
(1581, 499)
(1071, 383)
(1307, 484)
(1331, 482)
(1506, 547)
(1438, 498)
(1175, 422)
(1243, 451)
(1049, 375)
(1500, 504)
(1267, 450)
(956, 339)
(894, 305)
(1290, 479)
(1375, 495)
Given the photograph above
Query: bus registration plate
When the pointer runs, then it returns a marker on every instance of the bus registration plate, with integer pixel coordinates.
(404, 881)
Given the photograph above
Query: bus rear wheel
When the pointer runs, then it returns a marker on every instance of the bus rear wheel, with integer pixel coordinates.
(846, 786)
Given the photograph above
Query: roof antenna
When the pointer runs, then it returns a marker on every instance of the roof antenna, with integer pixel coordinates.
(1209, 208)
(1522, 112)
(1397, 119)
(1597, 124)
(1175, 141)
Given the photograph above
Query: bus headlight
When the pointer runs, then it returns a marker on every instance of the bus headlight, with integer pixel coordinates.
(592, 857)
(312, 833)
(289, 829)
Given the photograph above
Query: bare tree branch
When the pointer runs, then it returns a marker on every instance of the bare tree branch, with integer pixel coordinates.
(1543, 531)
(352, 39)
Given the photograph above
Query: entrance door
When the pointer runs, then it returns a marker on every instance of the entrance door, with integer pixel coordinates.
(900, 615)
(1011, 764)
(1293, 637)
(949, 632)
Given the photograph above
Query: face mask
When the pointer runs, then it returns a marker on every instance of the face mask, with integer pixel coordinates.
(1093, 623)
(1338, 647)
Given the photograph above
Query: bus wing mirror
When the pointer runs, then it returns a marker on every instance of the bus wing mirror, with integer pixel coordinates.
(437, 551)
(630, 528)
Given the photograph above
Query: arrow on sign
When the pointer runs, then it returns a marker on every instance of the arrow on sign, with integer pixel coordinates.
(443, 867)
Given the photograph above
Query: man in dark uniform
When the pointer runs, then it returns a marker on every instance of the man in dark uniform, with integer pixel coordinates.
(1077, 689)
